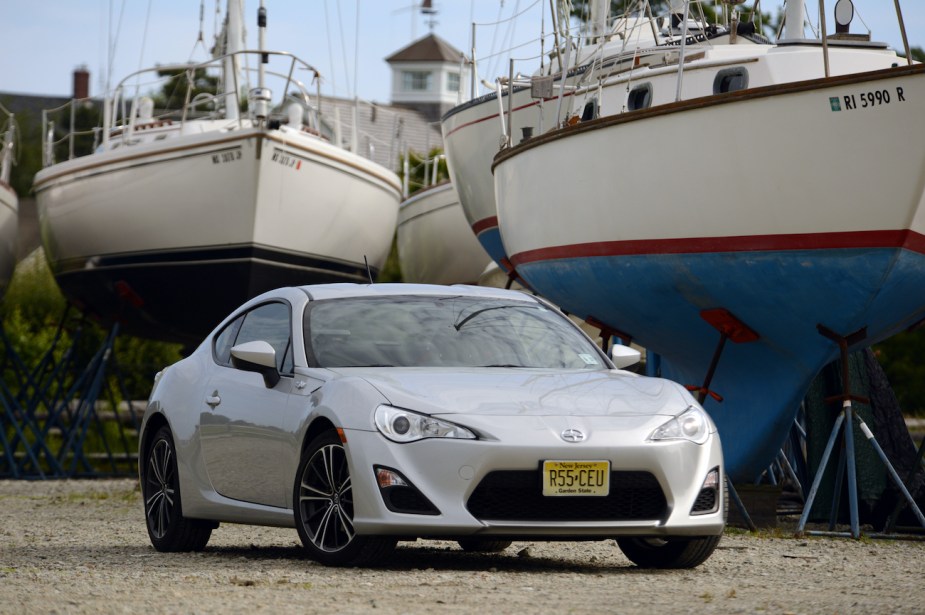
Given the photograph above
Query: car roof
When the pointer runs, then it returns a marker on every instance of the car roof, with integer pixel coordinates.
(317, 292)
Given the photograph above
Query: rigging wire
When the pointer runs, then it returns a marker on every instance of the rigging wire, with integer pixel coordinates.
(494, 40)
(113, 43)
(343, 47)
(200, 40)
(514, 16)
(356, 50)
(327, 28)
(144, 39)
(508, 39)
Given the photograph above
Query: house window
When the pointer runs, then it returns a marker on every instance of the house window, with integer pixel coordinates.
(416, 80)
(452, 82)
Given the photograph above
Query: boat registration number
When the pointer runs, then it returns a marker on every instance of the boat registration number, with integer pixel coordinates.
(571, 478)
(865, 100)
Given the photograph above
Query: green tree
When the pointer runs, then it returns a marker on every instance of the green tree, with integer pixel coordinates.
(420, 169)
(903, 359)
(172, 95)
(32, 310)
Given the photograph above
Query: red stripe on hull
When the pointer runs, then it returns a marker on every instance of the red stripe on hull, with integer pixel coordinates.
(907, 239)
(484, 224)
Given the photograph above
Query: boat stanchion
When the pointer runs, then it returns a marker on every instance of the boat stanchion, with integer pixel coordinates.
(847, 462)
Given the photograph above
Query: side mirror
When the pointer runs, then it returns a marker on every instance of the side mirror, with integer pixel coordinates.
(622, 356)
(257, 357)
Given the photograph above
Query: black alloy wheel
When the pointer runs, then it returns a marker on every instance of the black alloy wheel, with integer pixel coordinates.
(168, 529)
(323, 503)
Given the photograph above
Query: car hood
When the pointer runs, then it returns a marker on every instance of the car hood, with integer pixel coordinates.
(527, 392)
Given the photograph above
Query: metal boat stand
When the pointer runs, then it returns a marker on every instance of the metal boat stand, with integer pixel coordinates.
(847, 461)
(730, 328)
(55, 413)
(17, 427)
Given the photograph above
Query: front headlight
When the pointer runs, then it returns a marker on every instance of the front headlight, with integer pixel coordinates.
(692, 424)
(405, 426)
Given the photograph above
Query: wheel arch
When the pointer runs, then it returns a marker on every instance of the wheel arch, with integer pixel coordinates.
(317, 426)
(152, 425)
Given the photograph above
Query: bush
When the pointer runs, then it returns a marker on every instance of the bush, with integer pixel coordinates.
(32, 312)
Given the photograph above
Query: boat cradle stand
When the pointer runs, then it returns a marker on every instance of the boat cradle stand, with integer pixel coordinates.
(845, 419)
(54, 413)
(730, 328)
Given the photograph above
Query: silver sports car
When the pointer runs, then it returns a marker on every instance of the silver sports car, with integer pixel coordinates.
(368, 414)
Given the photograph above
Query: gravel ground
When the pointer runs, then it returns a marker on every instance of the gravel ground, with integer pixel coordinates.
(81, 547)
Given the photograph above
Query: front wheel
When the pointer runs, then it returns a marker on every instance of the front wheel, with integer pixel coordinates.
(672, 552)
(323, 505)
(168, 529)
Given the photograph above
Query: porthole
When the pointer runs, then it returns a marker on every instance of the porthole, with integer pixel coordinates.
(730, 80)
(590, 110)
(640, 97)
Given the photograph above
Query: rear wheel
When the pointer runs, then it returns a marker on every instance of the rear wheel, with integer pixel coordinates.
(323, 505)
(483, 545)
(168, 529)
(672, 552)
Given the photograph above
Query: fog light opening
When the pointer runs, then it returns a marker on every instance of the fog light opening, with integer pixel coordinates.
(400, 495)
(389, 478)
(712, 479)
(708, 499)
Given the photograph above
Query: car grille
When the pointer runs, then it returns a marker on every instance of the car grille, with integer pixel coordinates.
(517, 495)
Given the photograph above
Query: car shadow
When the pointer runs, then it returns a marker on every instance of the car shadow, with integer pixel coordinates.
(409, 556)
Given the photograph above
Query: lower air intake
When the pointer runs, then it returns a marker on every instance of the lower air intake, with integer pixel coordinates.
(517, 495)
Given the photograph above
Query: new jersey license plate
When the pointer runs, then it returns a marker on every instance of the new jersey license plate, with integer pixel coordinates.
(576, 478)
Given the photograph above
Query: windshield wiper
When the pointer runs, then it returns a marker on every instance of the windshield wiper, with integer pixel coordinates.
(459, 325)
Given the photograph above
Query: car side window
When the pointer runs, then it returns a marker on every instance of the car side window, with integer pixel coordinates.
(221, 348)
(270, 323)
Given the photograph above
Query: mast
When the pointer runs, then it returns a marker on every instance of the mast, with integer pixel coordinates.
(234, 42)
(793, 19)
(600, 15)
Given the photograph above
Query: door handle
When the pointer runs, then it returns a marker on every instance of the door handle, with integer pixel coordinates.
(213, 400)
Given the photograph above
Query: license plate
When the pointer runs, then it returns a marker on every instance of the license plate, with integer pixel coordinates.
(576, 478)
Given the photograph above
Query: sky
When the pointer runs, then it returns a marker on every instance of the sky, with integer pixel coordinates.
(47, 39)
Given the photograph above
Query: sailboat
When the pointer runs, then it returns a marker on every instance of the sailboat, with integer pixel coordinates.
(433, 239)
(744, 210)
(519, 106)
(182, 213)
(9, 202)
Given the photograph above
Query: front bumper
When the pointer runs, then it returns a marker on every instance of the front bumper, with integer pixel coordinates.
(447, 473)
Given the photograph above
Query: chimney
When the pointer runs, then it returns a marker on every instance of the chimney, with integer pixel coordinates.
(81, 82)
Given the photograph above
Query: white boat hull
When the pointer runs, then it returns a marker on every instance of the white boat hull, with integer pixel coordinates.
(9, 234)
(472, 136)
(435, 244)
(810, 215)
(176, 233)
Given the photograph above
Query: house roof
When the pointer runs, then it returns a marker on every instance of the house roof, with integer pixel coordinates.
(431, 48)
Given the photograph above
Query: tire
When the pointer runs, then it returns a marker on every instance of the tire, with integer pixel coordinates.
(168, 529)
(483, 545)
(322, 501)
(673, 552)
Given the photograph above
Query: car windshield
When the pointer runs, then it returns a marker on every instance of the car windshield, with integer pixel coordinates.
(428, 331)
